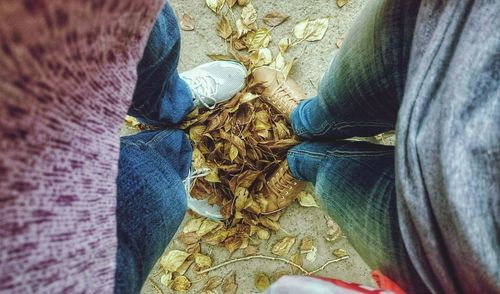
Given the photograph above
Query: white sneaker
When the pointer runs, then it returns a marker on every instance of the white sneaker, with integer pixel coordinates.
(201, 207)
(215, 82)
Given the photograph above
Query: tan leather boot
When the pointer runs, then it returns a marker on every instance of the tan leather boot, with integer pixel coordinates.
(282, 189)
(282, 94)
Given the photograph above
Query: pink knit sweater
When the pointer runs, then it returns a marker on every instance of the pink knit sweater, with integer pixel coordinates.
(67, 73)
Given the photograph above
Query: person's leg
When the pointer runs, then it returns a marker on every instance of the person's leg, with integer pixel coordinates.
(359, 95)
(151, 201)
(355, 185)
(161, 96)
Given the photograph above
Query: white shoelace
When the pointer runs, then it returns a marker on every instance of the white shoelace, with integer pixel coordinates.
(193, 175)
(204, 88)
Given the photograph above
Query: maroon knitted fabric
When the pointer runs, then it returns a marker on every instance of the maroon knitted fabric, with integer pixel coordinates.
(67, 74)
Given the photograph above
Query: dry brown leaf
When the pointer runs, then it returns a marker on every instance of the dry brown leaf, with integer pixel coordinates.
(248, 14)
(192, 225)
(181, 284)
(262, 282)
(306, 199)
(233, 152)
(258, 39)
(193, 248)
(189, 238)
(306, 245)
(251, 250)
(186, 22)
(233, 243)
(224, 28)
(184, 267)
(298, 260)
(263, 234)
(215, 5)
(283, 246)
(173, 260)
(203, 261)
(341, 3)
(208, 226)
(311, 31)
(274, 18)
(216, 238)
(243, 2)
(340, 252)
(231, 3)
(166, 279)
(212, 283)
(229, 284)
(284, 44)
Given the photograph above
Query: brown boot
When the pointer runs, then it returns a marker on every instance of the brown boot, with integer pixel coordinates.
(282, 94)
(282, 189)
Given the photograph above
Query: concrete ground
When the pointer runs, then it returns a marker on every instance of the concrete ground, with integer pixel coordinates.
(297, 221)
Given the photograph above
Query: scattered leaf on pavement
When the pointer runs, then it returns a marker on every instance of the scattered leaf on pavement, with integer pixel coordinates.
(173, 260)
(262, 282)
(181, 284)
(282, 247)
(186, 22)
(274, 18)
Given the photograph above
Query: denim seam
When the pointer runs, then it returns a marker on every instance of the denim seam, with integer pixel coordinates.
(308, 154)
(158, 137)
(326, 127)
(357, 154)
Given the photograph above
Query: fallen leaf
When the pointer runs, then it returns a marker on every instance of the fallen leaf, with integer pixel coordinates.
(231, 3)
(258, 39)
(208, 226)
(215, 5)
(184, 267)
(181, 284)
(224, 28)
(340, 252)
(311, 30)
(233, 243)
(250, 250)
(306, 245)
(173, 260)
(298, 260)
(307, 199)
(233, 152)
(203, 261)
(262, 56)
(284, 44)
(262, 282)
(274, 18)
(248, 14)
(341, 3)
(186, 22)
(166, 279)
(243, 2)
(282, 247)
(212, 283)
(216, 238)
(192, 225)
(229, 284)
(189, 238)
(263, 234)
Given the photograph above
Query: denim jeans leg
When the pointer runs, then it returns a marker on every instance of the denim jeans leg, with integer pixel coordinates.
(360, 93)
(161, 97)
(355, 185)
(151, 201)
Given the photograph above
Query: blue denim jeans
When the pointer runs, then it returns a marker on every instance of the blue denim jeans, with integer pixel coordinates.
(359, 95)
(151, 196)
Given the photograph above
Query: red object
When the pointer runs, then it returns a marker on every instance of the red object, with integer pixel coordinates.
(385, 283)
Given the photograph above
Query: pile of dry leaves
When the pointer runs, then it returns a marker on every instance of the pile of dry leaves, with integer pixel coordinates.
(242, 142)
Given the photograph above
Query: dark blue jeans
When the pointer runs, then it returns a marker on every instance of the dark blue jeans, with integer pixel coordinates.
(359, 96)
(151, 196)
